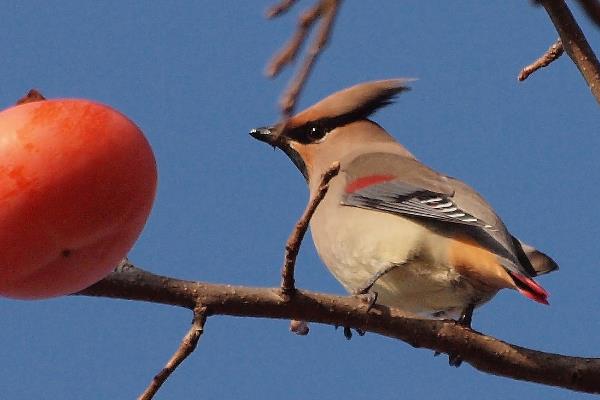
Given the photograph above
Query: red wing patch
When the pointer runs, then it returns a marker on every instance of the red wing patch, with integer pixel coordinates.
(530, 288)
(367, 181)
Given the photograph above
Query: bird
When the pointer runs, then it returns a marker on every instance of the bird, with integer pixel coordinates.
(389, 225)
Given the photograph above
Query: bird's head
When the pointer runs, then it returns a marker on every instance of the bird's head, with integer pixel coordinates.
(335, 126)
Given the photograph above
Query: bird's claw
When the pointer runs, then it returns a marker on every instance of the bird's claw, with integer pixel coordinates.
(348, 332)
(369, 298)
(454, 360)
(466, 317)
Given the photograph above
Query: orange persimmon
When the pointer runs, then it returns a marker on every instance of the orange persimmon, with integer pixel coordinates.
(77, 183)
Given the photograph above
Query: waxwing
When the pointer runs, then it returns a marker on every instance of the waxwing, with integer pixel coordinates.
(424, 242)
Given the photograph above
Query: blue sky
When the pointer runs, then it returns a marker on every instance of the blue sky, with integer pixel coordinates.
(189, 73)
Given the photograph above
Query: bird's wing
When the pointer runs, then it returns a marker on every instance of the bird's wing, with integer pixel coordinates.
(399, 197)
(412, 190)
(402, 185)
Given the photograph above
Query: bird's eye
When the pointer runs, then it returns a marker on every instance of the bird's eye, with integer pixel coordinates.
(316, 132)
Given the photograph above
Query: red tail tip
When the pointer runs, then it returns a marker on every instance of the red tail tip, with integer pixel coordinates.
(530, 288)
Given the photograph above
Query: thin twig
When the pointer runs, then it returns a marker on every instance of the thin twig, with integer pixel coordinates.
(292, 246)
(554, 52)
(289, 52)
(187, 347)
(575, 43)
(280, 8)
(290, 97)
(325, 11)
(483, 352)
(592, 9)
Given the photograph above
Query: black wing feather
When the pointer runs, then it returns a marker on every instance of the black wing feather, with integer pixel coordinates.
(402, 198)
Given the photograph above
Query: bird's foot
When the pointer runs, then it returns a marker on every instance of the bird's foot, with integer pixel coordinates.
(365, 294)
(454, 360)
(348, 332)
(465, 320)
(369, 298)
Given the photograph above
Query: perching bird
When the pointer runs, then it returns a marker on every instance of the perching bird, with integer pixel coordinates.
(424, 242)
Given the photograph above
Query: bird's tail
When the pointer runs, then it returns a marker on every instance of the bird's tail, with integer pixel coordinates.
(529, 288)
(541, 263)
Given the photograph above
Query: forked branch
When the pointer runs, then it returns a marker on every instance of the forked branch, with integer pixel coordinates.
(575, 43)
(483, 352)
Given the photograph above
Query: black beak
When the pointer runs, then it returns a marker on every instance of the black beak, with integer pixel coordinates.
(265, 134)
(270, 136)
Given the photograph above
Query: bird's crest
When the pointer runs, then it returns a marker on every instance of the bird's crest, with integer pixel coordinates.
(351, 104)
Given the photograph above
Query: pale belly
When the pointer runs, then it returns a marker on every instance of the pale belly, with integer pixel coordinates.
(355, 244)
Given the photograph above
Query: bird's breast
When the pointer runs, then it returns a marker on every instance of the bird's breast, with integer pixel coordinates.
(355, 243)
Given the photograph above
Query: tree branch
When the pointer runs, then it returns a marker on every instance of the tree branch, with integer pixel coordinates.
(592, 9)
(553, 53)
(326, 11)
(575, 43)
(187, 347)
(280, 8)
(293, 243)
(483, 352)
